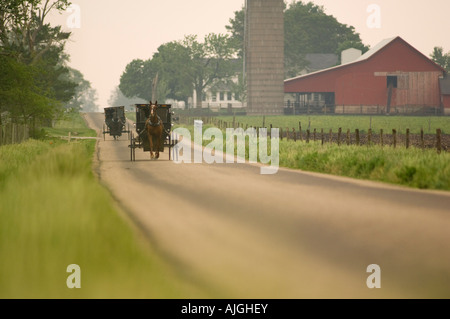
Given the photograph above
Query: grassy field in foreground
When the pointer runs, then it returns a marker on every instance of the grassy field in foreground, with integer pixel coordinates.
(54, 213)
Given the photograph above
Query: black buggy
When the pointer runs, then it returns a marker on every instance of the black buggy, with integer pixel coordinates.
(140, 139)
(115, 122)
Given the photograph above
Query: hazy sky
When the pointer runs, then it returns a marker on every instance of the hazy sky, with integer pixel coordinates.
(111, 33)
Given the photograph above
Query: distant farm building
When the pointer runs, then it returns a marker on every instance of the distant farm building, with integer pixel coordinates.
(392, 77)
(445, 92)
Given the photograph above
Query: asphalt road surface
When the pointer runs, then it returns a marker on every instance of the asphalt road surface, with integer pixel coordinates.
(239, 234)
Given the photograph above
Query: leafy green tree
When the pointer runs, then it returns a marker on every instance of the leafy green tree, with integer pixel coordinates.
(85, 97)
(172, 60)
(37, 84)
(307, 29)
(237, 31)
(440, 58)
(180, 68)
(20, 94)
(210, 61)
(24, 31)
(137, 79)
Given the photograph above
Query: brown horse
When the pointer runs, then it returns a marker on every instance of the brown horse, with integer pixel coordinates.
(154, 127)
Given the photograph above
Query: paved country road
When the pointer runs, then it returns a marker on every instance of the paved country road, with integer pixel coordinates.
(240, 234)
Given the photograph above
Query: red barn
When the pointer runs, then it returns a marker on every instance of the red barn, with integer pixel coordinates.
(392, 77)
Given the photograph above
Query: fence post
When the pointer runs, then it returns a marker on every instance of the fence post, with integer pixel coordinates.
(307, 135)
(321, 135)
(314, 135)
(295, 134)
(369, 137)
(357, 136)
(339, 136)
(394, 137)
(381, 138)
(438, 141)
(422, 142)
(300, 131)
(407, 138)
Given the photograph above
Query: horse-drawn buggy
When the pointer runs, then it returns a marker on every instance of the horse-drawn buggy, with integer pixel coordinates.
(115, 122)
(153, 130)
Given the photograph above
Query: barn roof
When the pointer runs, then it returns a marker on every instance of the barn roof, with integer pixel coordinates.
(373, 51)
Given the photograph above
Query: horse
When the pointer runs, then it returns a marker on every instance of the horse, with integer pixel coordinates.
(154, 127)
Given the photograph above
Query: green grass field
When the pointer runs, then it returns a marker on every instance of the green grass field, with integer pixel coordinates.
(363, 123)
(54, 213)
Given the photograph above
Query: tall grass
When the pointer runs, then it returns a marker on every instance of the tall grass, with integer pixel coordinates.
(424, 169)
(54, 213)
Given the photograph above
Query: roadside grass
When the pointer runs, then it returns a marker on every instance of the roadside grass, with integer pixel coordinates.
(413, 167)
(54, 213)
(416, 168)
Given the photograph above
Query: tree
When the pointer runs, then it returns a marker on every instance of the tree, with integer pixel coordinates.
(440, 58)
(210, 61)
(24, 31)
(181, 67)
(137, 79)
(34, 52)
(237, 31)
(20, 94)
(172, 60)
(307, 29)
(85, 97)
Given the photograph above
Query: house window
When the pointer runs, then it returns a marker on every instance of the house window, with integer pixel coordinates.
(222, 96)
(229, 96)
(392, 81)
(214, 97)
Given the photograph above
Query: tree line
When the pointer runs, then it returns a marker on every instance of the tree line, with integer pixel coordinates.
(191, 65)
(181, 67)
(36, 83)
